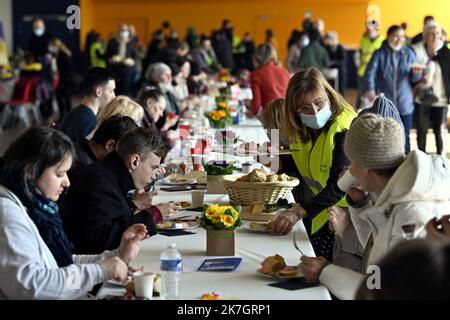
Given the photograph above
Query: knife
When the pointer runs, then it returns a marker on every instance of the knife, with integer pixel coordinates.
(185, 188)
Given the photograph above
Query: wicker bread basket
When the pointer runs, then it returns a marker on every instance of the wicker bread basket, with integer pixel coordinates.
(248, 193)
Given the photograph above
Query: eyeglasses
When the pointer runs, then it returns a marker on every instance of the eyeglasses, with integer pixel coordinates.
(316, 106)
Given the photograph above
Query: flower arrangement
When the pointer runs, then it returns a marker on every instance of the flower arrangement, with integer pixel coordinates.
(224, 99)
(215, 173)
(223, 106)
(224, 75)
(218, 168)
(220, 217)
(225, 92)
(219, 118)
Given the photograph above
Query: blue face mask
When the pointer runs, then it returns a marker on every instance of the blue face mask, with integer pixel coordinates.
(318, 120)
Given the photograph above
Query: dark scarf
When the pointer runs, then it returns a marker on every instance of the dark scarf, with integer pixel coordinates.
(45, 215)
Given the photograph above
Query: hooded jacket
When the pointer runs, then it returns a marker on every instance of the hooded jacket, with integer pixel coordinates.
(417, 192)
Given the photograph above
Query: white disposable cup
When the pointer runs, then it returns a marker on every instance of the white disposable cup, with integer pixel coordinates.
(247, 167)
(143, 284)
(346, 181)
(198, 197)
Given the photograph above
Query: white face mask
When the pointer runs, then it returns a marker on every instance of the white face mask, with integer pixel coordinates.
(166, 87)
(39, 32)
(395, 48)
(124, 35)
(305, 42)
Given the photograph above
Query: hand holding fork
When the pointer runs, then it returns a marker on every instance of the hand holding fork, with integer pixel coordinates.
(295, 243)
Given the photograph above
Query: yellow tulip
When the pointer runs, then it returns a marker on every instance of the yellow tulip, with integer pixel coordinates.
(227, 220)
(216, 220)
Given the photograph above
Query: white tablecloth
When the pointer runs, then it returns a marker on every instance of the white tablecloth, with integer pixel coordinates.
(251, 130)
(244, 283)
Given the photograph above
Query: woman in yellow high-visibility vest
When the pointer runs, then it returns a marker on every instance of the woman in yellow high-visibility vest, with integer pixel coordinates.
(316, 121)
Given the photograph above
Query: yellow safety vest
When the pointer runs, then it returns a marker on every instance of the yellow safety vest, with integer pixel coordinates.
(96, 61)
(314, 161)
(368, 47)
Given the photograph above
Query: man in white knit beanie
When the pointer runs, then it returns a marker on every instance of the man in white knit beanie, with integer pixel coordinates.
(405, 193)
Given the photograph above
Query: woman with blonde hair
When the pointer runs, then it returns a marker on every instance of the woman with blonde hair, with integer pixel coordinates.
(269, 80)
(272, 119)
(316, 121)
(124, 106)
(272, 116)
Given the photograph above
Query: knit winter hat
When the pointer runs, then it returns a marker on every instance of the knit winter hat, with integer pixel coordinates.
(385, 108)
(375, 142)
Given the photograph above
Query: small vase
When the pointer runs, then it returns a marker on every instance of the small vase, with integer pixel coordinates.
(215, 184)
(220, 242)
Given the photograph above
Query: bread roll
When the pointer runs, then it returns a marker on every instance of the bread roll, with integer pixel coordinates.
(257, 176)
(265, 170)
(245, 178)
(272, 178)
(273, 264)
(283, 177)
(288, 272)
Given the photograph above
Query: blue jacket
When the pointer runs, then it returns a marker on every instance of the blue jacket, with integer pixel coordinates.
(382, 75)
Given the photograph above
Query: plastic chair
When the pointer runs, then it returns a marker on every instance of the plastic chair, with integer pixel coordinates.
(24, 99)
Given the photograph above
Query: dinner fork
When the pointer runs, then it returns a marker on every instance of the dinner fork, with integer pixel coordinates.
(295, 243)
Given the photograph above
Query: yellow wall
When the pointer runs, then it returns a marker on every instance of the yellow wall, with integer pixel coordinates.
(347, 17)
(87, 12)
(412, 12)
(246, 15)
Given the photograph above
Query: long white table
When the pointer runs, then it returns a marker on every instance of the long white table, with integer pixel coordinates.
(244, 283)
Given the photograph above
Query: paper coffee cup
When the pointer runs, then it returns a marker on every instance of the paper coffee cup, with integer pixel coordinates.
(346, 181)
(247, 167)
(143, 284)
(198, 197)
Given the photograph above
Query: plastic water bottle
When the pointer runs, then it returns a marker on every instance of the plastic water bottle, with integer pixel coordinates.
(241, 112)
(171, 264)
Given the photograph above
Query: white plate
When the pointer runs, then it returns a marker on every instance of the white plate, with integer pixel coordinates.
(169, 181)
(191, 225)
(118, 283)
(275, 275)
(261, 229)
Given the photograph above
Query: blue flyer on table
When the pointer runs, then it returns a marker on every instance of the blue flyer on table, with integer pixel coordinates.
(220, 264)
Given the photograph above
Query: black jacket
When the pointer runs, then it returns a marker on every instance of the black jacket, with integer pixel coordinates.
(38, 46)
(85, 157)
(443, 58)
(97, 211)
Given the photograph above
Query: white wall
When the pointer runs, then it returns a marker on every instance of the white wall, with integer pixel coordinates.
(6, 19)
